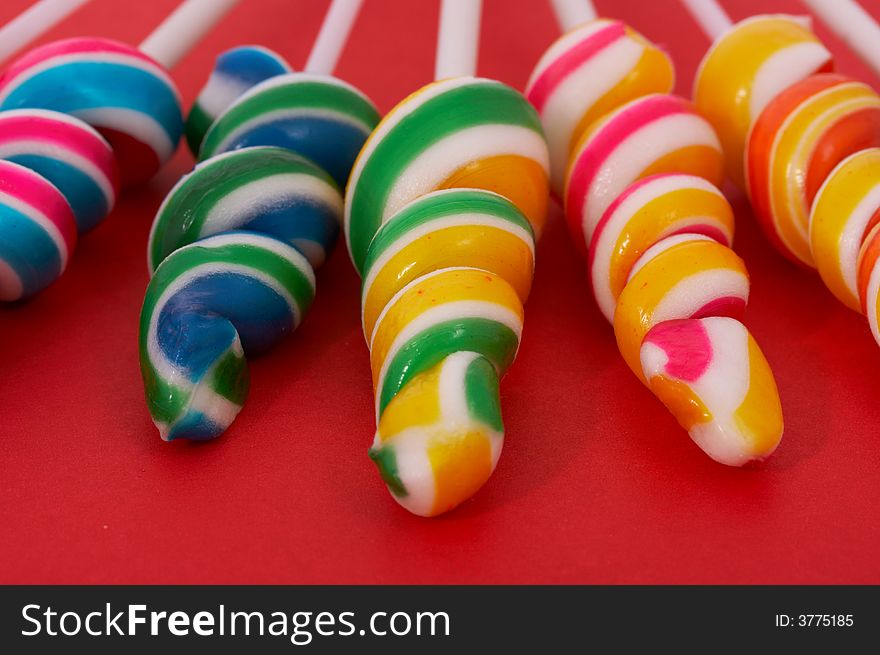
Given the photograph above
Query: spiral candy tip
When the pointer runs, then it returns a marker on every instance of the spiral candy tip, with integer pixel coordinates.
(712, 376)
(440, 437)
(235, 243)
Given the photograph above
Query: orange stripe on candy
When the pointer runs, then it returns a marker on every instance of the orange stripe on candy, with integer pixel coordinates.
(521, 180)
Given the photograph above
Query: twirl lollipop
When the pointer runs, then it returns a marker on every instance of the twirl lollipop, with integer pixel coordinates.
(124, 92)
(747, 65)
(234, 246)
(810, 163)
(641, 201)
(118, 89)
(446, 267)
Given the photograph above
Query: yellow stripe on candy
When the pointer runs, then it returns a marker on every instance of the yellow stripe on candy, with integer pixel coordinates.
(680, 400)
(703, 161)
(433, 291)
(508, 256)
(759, 418)
(832, 227)
(461, 462)
(442, 453)
(417, 404)
(648, 224)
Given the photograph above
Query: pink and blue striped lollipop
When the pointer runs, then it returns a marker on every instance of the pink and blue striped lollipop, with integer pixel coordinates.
(124, 92)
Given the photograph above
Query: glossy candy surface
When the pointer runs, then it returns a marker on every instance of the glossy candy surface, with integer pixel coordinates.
(746, 68)
(648, 211)
(678, 327)
(711, 374)
(442, 209)
(663, 272)
(37, 232)
(127, 96)
(440, 438)
(844, 236)
(266, 190)
(587, 73)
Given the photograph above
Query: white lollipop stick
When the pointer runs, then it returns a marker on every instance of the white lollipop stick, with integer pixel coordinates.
(853, 25)
(458, 39)
(571, 13)
(30, 24)
(333, 36)
(180, 32)
(710, 16)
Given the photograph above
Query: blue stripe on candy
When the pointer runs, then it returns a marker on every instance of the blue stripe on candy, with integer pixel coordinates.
(197, 325)
(28, 250)
(247, 66)
(84, 196)
(77, 86)
(196, 426)
(296, 218)
(331, 144)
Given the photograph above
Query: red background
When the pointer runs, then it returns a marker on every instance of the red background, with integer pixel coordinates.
(597, 483)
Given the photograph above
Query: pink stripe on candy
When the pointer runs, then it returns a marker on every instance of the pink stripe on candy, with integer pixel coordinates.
(706, 230)
(75, 46)
(65, 133)
(730, 306)
(687, 346)
(570, 61)
(612, 208)
(37, 192)
(601, 145)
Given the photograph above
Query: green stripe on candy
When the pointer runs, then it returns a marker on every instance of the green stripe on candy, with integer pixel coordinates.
(494, 341)
(197, 124)
(229, 378)
(454, 202)
(385, 458)
(481, 391)
(306, 93)
(480, 102)
(191, 202)
(283, 271)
